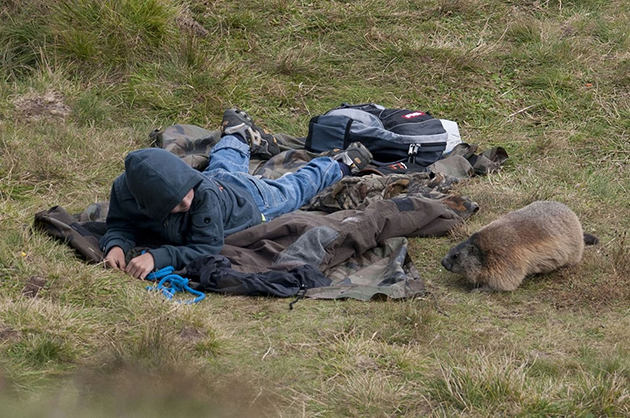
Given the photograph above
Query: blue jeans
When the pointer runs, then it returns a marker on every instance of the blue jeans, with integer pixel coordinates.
(229, 160)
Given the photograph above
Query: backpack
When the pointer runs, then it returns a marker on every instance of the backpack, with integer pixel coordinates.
(391, 135)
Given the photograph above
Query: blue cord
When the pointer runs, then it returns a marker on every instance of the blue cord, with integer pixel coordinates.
(176, 283)
(160, 273)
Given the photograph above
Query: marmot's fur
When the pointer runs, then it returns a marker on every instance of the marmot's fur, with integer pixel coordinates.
(538, 238)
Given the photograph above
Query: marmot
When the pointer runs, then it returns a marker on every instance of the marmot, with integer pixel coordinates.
(538, 238)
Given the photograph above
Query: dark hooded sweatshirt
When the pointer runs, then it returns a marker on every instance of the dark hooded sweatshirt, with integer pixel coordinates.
(154, 182)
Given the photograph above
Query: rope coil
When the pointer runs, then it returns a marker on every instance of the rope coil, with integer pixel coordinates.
(170, 284)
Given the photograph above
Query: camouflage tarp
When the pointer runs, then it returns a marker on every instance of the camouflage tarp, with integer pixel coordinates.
(385, 270)
(189, 142)
(359, 192)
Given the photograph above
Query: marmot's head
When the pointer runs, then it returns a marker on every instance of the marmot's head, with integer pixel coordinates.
(465, 258)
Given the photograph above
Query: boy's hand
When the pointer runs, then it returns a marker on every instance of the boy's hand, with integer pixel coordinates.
(140, 266)
(115, 258)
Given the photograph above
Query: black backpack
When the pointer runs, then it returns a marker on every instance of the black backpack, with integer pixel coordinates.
(391, 135)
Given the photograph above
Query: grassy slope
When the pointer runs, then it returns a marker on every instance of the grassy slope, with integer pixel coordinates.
(84, 82)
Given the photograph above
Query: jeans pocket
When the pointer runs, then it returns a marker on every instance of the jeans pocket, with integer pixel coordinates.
(270, 195)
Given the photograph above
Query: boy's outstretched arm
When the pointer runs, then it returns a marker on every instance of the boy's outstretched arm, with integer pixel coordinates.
(120, 234)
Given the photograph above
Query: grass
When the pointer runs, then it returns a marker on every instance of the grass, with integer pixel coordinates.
(83, 82)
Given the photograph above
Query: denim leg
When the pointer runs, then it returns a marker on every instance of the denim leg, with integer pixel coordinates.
(293, 190)
(229, 154)
(229, 162)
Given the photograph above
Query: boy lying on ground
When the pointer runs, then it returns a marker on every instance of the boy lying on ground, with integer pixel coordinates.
(190, 212)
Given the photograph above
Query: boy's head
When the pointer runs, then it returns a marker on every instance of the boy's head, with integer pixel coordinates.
(160, 182)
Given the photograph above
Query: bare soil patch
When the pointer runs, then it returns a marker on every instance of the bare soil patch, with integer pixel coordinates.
(35, 106)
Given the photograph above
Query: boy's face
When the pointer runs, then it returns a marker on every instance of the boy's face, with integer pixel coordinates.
(184, 205)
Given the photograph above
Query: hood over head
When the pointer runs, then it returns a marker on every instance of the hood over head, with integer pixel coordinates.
(158, 180)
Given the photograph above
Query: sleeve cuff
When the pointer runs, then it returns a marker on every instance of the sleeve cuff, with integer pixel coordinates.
(125, 245)
(161, 257)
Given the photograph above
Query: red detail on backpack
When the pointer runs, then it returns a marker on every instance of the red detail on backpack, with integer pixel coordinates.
(397, 166)
(413, 115)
